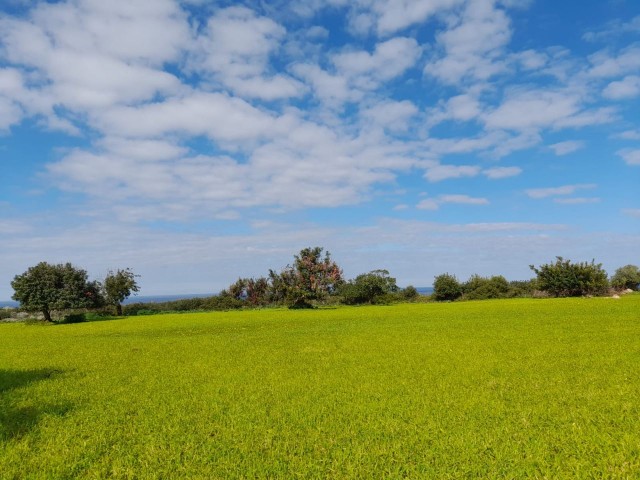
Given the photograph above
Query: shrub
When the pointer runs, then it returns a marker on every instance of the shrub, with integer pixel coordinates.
(566, 279)
(482, 288)
(409, 293)
(373, 287)
(522, 288)
(626, 277)
(446, 288)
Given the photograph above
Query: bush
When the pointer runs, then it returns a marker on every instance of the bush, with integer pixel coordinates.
(566, 279)
(522, 288)
(446, 288)
(482, 288)
(626, 277)
(373, 287)
(409, 293)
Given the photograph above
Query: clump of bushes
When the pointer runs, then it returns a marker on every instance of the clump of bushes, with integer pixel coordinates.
(373, 287)
(566, 279)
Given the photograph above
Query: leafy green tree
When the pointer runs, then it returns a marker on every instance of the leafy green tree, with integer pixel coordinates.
(45, 287)
(446, 288)
(566, 279)
(118, 286)
(626, 277)
(368, 287)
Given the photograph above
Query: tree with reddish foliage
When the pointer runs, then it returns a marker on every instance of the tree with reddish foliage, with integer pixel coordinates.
(312, 277)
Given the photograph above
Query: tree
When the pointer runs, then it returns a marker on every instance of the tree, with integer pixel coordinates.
(368, 287)
(626, 277)
(118, 286)
(446, 288)
(45, 287)
(312, 277)
(566, 279)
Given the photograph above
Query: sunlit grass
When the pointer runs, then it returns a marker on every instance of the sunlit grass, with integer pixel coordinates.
(493, 389)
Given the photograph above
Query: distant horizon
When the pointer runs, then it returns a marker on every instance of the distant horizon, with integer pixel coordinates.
(171, 297)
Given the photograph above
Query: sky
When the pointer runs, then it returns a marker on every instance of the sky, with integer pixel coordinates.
(195, 142)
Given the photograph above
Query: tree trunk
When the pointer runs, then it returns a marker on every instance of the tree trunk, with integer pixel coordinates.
(119, 309)
(47, 315)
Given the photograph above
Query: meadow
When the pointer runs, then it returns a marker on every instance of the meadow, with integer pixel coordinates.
(522, 388)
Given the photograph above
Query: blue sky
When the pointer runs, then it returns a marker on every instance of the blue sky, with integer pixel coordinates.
(196, 142)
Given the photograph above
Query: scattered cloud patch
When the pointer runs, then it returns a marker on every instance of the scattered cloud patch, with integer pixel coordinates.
(628, 87)
(496, 173)
(539, 193)
(630, 157)
(565, 148)
(576, 200)
(444, 172)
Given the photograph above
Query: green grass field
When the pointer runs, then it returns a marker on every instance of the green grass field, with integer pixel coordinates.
(494, 389)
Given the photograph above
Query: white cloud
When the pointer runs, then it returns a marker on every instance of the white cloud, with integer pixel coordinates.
(76, 60)
(604, 64)
(544, 109)
(235, 50)
(576, 200)
(463, 199)
(628, 87)
(428, 204)
(443, 172)
(613, 29)
(388, 60)
(566, 147)
(216, 115)
(629, 135)
(390, 114)
(395, 15)
(460, 199)
(538, 193)
(501, 172)
(631, 157)
(471, 44)
(632, 212)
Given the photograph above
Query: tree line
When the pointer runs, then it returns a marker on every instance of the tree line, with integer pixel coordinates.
(313, 279)
(562, 278)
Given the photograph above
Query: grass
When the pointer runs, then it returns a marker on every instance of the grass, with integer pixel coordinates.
(495, 389)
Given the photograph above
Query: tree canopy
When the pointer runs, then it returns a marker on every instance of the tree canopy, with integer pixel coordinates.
(45, 287)
(118, 286)
(626, 277)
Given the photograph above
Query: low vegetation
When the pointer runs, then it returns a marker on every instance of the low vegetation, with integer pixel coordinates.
(520, 388)
(314, 279)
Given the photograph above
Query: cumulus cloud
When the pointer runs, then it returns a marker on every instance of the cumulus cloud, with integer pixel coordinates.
(545, 109)
(472, 44)
(235, 50)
